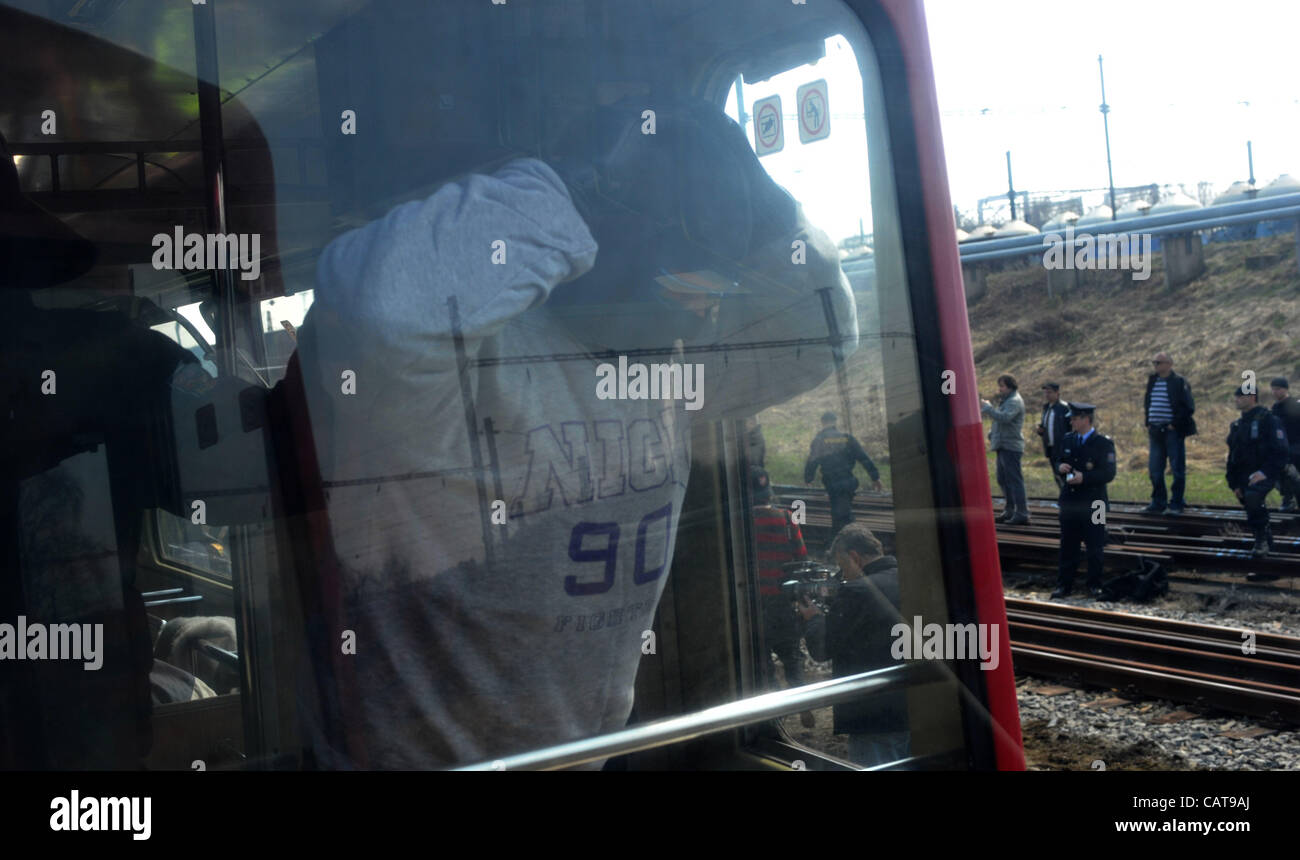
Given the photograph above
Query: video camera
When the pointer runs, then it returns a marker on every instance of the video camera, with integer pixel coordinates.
(817, 582)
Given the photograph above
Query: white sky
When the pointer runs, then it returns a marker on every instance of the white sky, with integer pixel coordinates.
(1177, 73)
(828, 176)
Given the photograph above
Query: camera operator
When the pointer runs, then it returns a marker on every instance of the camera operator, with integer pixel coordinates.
(854, 635)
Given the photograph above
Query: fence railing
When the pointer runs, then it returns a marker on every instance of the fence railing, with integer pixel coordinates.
(1281, 207)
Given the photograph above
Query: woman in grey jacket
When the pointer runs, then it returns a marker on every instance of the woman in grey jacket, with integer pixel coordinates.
(1007, 439)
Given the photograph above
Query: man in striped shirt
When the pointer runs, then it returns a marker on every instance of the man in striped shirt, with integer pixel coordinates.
(1168, 408)
(779, 541)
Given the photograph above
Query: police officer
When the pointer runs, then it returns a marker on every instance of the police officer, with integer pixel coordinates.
(835, 452)
(1087, 464)
(1287, 410)
(1257, 454)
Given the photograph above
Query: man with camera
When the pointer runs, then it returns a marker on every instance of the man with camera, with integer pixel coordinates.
(1008, 441)
(854, 635)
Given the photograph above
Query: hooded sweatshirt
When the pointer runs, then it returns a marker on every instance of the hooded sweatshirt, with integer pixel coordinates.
(501, 608)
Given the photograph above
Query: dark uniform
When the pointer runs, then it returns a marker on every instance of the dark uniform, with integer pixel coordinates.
(1288, 412)
(755, 445)
(835, 452)
(1053, 423)
(1093, 458)
(1256, 443)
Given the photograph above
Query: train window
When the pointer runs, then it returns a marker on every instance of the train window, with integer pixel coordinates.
(848, 449)
(424, 355)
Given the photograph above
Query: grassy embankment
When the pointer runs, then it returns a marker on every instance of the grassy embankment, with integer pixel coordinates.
(1097, 341)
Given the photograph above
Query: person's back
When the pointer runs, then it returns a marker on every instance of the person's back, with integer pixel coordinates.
(866, 609)
(1287, 411)
(857, 636)
(1256, 442)
(780, 542)
(832, 450)
(485, 629)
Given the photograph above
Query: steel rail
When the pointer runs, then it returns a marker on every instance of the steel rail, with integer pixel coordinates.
(1132, 536)
(1154, 680)
(1173, 659)
(1187, 630)
(1248, 671)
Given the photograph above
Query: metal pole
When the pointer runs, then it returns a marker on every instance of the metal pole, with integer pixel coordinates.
(1105, 119)
(214, 176)
(1011, 187)
(837, 353)
(258, 710)
(1250, 160)
(740, 101)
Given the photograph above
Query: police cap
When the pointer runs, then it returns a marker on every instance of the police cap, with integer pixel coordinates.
(1055, 386)
(1081, 409)
(1280, 382)
(829, 418)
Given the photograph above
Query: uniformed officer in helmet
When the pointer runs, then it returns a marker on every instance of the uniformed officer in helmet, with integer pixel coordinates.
(835, 452)
(1257, 454)
(1088, 464)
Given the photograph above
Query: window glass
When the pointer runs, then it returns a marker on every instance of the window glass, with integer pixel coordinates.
(844, 451)
(458, 410)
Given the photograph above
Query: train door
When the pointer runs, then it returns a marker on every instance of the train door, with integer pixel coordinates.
(476, 435)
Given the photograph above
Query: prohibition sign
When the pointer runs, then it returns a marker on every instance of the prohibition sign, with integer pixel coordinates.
(768, 126)
(814, 114)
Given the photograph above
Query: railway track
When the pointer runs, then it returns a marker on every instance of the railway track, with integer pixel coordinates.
(1198, 664)
(1211, 539)
(1194, 663)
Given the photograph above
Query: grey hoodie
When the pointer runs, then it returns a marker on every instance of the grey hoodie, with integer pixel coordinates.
(471, 648)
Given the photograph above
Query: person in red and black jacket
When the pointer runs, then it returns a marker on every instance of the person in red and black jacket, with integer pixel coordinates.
(779, 541)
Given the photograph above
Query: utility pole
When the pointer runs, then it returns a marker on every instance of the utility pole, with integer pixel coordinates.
(1105, 119)
(1011, 187)
(1250, 160)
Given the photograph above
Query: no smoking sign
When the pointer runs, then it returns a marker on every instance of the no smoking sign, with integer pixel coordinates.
(769, 129)
(814, 112)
